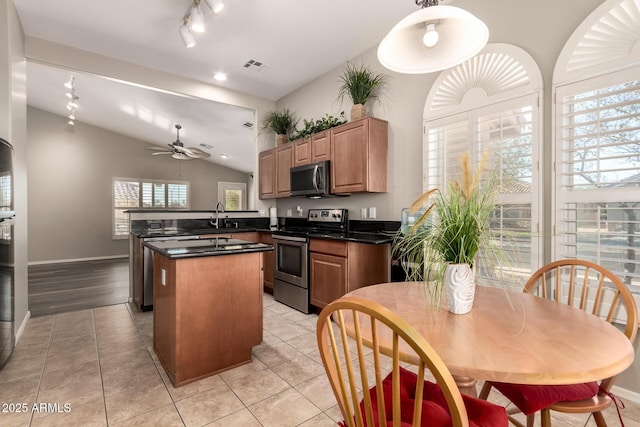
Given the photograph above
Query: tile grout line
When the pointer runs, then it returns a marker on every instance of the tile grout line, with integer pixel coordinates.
(104, 395)
(43, 365)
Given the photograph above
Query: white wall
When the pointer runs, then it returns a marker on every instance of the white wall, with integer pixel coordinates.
(13, 129)
(70, 172)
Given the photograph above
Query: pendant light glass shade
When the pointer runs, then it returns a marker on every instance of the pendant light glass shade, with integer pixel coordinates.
(460, 37)
(187, 37)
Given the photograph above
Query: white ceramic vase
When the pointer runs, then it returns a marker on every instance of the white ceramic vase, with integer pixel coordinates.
(460, 287)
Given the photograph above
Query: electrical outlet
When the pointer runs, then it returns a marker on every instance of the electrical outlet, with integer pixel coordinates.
(363, 213)
(372, 213)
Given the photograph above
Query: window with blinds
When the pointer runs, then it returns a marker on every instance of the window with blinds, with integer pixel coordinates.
(597, 189)
(508, 133)
(6, 204)
(138, 194)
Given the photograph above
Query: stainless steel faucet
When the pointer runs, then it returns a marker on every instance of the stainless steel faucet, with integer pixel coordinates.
(215, 218)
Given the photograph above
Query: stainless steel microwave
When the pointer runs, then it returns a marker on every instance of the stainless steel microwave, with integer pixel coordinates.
(311, 180)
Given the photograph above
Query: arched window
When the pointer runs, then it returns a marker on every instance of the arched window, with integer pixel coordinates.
(491, 103)
(596, 191)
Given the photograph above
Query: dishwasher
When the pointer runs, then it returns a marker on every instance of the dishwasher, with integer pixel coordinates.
(145, 293)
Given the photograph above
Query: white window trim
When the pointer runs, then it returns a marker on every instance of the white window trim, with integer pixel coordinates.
(223, 186)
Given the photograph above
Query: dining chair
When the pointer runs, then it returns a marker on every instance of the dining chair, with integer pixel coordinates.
(355, 364)
(589, 287)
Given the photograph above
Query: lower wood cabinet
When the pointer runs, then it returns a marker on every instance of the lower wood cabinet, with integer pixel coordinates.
(336, 268)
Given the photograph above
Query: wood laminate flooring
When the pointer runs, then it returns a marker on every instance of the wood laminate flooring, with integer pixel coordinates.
(64, 287)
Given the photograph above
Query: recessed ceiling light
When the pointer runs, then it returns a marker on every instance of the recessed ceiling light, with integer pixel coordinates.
(220, 77)
(224, 156)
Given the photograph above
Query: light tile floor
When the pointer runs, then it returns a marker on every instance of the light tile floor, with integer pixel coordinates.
(100, 363)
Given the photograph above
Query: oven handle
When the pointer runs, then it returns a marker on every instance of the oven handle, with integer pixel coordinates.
(290, 238)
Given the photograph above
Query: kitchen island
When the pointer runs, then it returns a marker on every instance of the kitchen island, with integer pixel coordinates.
(207, 305)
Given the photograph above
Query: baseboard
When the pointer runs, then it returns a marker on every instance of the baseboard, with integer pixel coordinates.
(23, 325)
(626, 394)
(61, 261)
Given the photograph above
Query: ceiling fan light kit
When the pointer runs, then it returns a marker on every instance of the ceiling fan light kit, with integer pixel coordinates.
(178, 151)
(434, 38)
(193, 20)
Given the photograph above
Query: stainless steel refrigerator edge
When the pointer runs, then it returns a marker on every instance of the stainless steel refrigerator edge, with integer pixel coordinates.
(7, 215)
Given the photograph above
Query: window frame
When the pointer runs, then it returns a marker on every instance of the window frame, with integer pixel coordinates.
(141, 182)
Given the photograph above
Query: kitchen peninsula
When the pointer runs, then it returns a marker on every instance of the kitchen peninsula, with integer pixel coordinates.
(207, 305)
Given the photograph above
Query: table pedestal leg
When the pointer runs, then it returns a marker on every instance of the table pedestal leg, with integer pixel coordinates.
(466, 385)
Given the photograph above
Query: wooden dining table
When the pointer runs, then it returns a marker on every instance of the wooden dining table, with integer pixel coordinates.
(508, 336)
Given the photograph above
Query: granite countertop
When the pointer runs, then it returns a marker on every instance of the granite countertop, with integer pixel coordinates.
(175, 249)
(356, 236)
(168, 232)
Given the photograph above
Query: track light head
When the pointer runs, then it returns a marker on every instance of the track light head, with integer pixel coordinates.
(186, 35)
(196, 19)
(215, 5)
(69, 84)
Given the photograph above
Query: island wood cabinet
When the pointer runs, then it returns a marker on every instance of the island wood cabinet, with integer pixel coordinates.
(274, 167)
(207, 313)
(359, 156)
(314, 149)
(337, 267)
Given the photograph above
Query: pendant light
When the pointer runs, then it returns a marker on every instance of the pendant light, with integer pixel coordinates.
(432, 39)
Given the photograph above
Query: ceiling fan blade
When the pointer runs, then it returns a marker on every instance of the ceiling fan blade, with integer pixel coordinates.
(198, 155)
(180, 156)
(158, 149)
(196, 151)
(160, 153)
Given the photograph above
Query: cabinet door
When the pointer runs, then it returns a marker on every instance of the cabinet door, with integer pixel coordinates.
(302, 152)
(269, 260)
(267, 174)
(328, 278)
(349, 157)
(284, 162)
(320, 147)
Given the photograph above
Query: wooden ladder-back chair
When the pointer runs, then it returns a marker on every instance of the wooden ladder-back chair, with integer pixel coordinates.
(589, 287)
(366, 341)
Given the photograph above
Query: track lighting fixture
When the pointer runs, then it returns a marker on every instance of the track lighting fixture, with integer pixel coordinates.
(215, 5)
(193, 20)
(69, 84)
(196, 18)
(72, 104)
(185, 34)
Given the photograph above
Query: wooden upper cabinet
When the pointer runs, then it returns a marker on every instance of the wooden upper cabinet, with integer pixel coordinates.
(302, 152)
(313, 149)
(284, 162)
(359, 156)
(321, 146)
(267, 174)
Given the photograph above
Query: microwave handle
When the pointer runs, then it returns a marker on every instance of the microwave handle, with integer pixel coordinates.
(315, 178)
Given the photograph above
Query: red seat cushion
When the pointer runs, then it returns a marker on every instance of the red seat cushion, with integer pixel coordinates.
(532, 398)
(435, 412)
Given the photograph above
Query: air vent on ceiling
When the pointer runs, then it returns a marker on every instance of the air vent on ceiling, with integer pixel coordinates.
(207, 146)
(248, 125)
(256, 65)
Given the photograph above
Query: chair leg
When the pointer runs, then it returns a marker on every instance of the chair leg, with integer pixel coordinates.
(599, 419)
(484, 393)
(531, 419)
(545, 418)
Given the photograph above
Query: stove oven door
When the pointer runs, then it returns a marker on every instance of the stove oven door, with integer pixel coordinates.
(291, 279)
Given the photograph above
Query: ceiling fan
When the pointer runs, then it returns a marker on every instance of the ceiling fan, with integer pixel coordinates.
(179, 151)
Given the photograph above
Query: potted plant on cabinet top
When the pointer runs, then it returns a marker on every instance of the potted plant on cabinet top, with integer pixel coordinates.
(282, 122)
(360, 84)
(443, 243)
